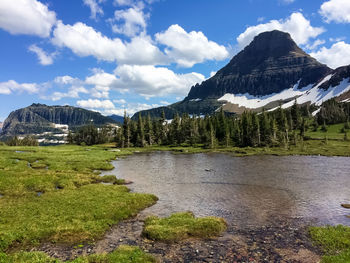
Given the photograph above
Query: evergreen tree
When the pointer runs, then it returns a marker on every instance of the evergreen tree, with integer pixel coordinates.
(126, 130)
(140, 141)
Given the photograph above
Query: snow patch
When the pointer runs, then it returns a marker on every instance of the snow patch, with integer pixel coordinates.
(315, 112)
(311, 94)
(253, 102)
(198, 99)
(317, 96)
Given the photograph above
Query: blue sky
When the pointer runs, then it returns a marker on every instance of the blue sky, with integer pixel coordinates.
(116, 55)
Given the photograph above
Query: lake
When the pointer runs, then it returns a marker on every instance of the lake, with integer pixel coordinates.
(246, 191)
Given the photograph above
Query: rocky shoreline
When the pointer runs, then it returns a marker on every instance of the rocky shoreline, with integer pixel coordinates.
(285, 242)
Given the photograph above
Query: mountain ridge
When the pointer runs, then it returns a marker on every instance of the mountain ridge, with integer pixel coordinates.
(271, 64)
(39, 118)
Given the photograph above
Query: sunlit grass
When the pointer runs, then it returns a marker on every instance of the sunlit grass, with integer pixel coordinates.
(180, 226)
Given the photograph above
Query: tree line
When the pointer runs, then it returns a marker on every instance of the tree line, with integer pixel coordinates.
(276, 128)
(282, 126)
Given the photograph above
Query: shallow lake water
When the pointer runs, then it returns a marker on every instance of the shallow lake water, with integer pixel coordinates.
(246, 191)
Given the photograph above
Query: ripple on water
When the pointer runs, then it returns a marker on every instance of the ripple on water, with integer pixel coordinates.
(246, 191)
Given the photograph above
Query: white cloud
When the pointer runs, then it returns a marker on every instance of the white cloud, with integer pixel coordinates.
(73, 92)
(315, 44)
(100, 92)
(43, 57)
(336, 56)
(101, 79)
(29, 17)
(94, 8)
(187, 49)
(212, 74)
(120, 101)
(134, 21)
(130, 108)
(336, 10)
(95, 104)
(297, 25)
(288, 1)
(124, 2)
(337, 39)
(150, 81)
(65, 80)
(85, 41)
(11, 86)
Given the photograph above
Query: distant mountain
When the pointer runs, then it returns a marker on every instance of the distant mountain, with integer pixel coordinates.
(117, 118)
(39, 118)
(1, 124)
(271, 70)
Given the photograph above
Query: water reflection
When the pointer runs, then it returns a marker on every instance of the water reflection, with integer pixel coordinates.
(245, 191)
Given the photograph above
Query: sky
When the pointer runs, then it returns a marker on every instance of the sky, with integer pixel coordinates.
(116, 55)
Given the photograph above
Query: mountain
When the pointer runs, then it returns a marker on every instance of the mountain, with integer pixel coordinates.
(1, 124)
(40, 118)
(271, 70)
(116, 118)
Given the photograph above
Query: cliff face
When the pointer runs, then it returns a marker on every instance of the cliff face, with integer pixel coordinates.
(270, 64)
(39, 118)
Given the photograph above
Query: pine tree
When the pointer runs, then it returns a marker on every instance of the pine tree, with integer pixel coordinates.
(140, 132)
(295, 112)
(127, 131)
(149, 131)
(256, 139)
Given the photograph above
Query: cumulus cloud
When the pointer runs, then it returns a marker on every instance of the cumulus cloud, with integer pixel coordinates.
(101, 79)
(297, 25)
(65, 80)
(187, 49)
(315, 44)
(11, 86)
(85, 41)
(336, 10)
(130, 108)
(29, 17)
(100, 92)
(151, 81)
(133, 21)
(336, 56)
(43, 57)
(95, 104)
(94, 8)
(73, 92)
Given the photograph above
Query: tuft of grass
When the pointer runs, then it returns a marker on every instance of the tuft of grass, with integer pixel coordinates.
(334, 241)
(110, 179)
(124, 254)
(180, 226)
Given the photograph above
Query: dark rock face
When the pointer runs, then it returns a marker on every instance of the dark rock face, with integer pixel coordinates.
(39, 118)
(271, 63)
(338, 75)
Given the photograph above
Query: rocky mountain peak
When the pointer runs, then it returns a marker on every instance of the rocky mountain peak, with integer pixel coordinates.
(272, 62)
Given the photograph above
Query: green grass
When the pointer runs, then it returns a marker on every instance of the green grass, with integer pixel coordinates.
(334, 241)
(73, 207)
(124, 254)
(180, 226)
(333, 132)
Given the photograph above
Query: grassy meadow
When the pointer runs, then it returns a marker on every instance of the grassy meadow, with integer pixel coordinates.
(54, 194)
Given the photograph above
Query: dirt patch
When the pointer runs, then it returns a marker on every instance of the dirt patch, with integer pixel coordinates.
(285, 243)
